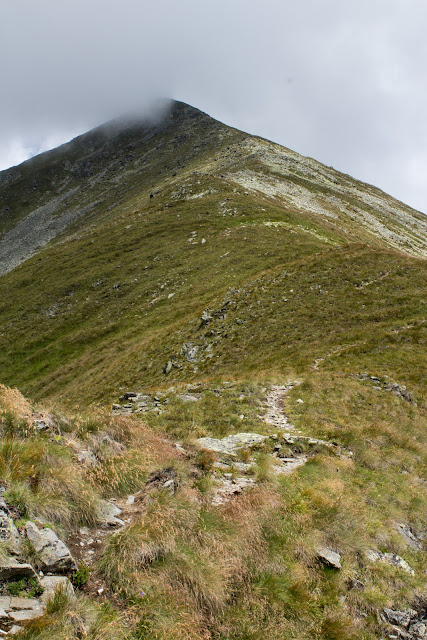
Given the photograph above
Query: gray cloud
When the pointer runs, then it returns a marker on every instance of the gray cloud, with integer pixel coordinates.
(341, 82)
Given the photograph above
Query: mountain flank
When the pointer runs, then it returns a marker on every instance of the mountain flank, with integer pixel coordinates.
(42, 197)
(221, 346)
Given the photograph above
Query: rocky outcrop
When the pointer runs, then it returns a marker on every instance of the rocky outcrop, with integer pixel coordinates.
(9, 534)
(390, 558)
(410, 624)
(52, 554)
(51, 584)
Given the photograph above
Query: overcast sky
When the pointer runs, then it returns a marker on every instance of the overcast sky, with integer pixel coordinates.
(343, 81)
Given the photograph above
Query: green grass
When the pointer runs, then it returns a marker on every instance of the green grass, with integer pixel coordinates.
(105, 307)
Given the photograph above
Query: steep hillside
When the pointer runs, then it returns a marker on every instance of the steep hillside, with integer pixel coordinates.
(251, 326)
(159, 222)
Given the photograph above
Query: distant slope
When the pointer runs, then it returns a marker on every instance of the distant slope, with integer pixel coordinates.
(294, 261)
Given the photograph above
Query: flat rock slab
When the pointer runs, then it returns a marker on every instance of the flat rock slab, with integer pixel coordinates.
(52, 553)
(11, 568)
(20, 609)
(231, 444)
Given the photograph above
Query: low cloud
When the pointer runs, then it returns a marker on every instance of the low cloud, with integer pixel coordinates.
(341, 82)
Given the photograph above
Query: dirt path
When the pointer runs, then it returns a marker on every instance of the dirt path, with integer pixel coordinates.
(275, 416)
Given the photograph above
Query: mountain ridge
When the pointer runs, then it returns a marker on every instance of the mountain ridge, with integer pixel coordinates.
(64, 183)
(224, 351)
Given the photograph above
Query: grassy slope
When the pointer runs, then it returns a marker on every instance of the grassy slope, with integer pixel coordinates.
(92, 314)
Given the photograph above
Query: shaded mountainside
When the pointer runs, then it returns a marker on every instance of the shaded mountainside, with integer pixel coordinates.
(226, 340)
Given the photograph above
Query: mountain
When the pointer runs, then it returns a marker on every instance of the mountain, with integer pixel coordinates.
(187, 300)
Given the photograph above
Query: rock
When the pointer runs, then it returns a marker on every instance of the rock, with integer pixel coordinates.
(44, 422)
(108, 512)
(227, 488)
(168, 367)
(14, 630)
(206, 318)
(418, 630)
(19, 610)
(411, 539)
(231, 444)
(187, 397)
(401, 618)
(86, 458)
(329, 558)
(26, 614)
(391, 558)
(163, 479)
(11, 568)
(53, 554)
(51, 584)
(127, 396)
(9, 534)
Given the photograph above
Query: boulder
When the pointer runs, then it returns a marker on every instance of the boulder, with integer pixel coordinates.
(51, 584)
(108, 512)
(52, 553)
(329, 558)
(11, 568)
(44, 422)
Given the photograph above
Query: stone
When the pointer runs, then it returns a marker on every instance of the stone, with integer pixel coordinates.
(26, 614)
(168, 367)
(418, 630)
(391, 558)
(411, 539)
(232, 444)
(9, 534)
(187, 397)
(51, 584)
(401, 618)
(11, 568)
(24, 603)
(45, 422)
(14, 609)
(108, 512)
(52, 553)
(329, 558)
(228, 488)
(163, 479)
